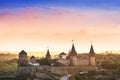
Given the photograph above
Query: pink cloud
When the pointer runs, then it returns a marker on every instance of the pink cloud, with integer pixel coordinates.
(59, 26)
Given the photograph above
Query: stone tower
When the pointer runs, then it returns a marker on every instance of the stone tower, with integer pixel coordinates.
(22, 61)
(92, 56)
(73, 56)
(48, 56)
(33, 59)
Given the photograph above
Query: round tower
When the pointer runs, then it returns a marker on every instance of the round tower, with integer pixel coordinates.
(92, 60)
(73, 55)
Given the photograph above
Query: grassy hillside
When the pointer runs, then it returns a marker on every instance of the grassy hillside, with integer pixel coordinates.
(8, 66)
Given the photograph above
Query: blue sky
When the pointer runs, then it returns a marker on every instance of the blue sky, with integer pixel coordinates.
(35, 24)
(94, 4)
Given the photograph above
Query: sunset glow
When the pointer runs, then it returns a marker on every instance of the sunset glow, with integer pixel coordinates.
(35, 26)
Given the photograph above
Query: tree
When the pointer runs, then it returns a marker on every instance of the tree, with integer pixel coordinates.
(44, 61)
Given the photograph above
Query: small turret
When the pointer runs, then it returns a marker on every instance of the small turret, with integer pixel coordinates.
(48, 56)
(33, 59)
(62, 55)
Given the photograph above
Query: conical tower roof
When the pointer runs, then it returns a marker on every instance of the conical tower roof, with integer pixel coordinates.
(22, 52)
(73, 51)
(48, 54)
(91, 50)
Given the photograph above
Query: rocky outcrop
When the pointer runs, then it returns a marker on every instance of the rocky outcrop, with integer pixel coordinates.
(23, 70)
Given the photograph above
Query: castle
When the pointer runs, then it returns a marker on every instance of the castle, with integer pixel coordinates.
(71, 59)
(65, 63)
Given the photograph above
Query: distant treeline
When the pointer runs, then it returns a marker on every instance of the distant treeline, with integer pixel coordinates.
(7, 56)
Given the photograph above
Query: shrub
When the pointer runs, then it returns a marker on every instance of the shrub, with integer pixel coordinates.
(44, 61)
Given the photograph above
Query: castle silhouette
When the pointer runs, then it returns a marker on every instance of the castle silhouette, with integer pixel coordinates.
(71, 59)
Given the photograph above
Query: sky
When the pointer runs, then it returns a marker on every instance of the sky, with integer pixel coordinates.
(34, 25)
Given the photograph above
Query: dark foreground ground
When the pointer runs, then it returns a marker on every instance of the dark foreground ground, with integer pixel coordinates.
(15, 78)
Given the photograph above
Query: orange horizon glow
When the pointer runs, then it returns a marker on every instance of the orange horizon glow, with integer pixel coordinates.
(34, 29)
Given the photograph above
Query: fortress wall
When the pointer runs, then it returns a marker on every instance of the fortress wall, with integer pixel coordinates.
(55, 70)
(70, 70)
(92, 60)
(64, 61)
(83, 62)
(24, 70)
